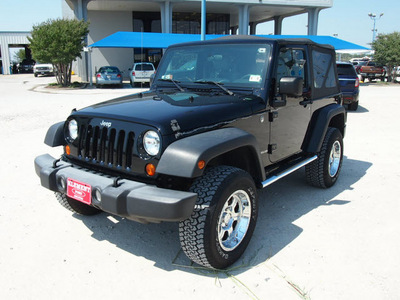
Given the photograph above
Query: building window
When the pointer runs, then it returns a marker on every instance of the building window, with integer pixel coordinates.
(146, 21)
(190, 23)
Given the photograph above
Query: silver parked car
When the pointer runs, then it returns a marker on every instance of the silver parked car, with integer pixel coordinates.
(141, 73)
(108, 75)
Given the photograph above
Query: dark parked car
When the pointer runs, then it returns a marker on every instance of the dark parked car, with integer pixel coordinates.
(26, 66)
(349, 84)
(108, 76)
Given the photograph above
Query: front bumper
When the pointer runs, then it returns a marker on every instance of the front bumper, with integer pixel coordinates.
(43, 72)
(129, 199)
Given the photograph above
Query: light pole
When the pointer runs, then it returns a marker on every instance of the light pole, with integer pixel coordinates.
(203, 20)
(374, 30)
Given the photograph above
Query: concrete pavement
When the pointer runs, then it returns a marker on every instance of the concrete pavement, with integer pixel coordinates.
(340, 243)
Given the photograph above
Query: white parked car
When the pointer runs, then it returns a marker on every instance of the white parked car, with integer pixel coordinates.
(43, 69)
(396, 74)
(141, 73)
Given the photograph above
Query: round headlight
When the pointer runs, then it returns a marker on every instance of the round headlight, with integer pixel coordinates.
(73, 129)
(151, 142)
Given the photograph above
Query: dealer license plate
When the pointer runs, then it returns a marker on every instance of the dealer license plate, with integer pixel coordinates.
(79, 191)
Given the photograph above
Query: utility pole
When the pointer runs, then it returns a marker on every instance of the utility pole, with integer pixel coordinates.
(374, 30)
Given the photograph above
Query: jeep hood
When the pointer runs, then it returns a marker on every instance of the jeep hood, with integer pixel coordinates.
(187, 110)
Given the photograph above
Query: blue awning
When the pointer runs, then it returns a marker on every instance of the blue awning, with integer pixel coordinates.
(123, 39)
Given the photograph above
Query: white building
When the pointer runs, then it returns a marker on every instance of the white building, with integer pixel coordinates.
(176, 16)
(14, 39)
(179, 16)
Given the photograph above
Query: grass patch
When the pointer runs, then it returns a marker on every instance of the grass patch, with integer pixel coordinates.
(73, 85)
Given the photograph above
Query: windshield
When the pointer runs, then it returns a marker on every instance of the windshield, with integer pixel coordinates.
(233, 65)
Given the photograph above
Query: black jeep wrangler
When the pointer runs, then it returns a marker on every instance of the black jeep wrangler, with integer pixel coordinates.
(222, 119)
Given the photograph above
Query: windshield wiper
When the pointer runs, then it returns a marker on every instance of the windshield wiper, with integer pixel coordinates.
(230, 93)
(173, 81)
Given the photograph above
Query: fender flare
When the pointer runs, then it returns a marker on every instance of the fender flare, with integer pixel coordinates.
(55, 135)
(319, 124)
(181, 157)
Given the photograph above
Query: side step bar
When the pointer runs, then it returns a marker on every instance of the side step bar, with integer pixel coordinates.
(293, 168)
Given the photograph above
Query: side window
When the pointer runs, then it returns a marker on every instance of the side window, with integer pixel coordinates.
(291, 62)
(324, 73)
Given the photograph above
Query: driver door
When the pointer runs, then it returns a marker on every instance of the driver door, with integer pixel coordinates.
(289, 123)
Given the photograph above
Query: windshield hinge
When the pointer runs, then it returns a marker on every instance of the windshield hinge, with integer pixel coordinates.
(272, 115)
(272, 148)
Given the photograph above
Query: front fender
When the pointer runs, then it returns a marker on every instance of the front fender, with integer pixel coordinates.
(181, 157)
(55, 135)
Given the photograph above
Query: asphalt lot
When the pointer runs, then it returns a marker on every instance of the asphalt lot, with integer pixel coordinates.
(309, 243)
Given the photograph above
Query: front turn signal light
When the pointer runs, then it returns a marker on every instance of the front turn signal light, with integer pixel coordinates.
(201, 164)
(68, 150)
(150, 169)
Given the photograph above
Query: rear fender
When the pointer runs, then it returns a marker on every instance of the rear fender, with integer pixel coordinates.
(333, 115)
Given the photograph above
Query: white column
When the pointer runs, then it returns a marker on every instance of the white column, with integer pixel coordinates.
(313, 14)
(244, 19)
(278, 25)
(166, 17)
(80, 10)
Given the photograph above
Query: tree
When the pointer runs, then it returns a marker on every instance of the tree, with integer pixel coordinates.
(387, 50)
(19, 55)
(59, 42)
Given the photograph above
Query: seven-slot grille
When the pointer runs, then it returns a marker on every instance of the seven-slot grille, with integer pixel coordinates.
(106, 146)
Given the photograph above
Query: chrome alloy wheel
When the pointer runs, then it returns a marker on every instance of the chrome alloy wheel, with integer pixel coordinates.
(334, 158)
(234, 220)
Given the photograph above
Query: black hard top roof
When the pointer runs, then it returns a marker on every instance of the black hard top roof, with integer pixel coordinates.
(234, 39)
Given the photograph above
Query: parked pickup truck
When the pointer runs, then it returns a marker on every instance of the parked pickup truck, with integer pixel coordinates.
(372, 71)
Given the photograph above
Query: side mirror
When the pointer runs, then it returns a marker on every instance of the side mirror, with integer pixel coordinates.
(291, 86)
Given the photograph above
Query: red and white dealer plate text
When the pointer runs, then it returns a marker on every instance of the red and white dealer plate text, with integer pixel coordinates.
(79, 191)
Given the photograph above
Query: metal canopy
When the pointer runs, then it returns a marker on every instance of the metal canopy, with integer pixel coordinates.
(123, 39)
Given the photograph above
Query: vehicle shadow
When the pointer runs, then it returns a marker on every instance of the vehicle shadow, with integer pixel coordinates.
(280, 205)
(359, 110)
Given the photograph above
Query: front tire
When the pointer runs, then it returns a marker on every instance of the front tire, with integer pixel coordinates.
(324, 171)
(224, 217)
(76, 206)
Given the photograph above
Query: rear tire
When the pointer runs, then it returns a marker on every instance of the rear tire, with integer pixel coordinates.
(224, 217)
(76, 206)
(324, 171)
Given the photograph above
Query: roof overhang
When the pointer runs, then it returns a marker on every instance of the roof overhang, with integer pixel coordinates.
(147, 40)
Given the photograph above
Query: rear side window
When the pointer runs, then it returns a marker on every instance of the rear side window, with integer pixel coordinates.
(324, 69)
(346, 70)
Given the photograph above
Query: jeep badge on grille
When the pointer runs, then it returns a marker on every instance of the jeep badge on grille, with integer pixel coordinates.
(105, 124)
